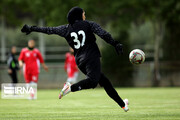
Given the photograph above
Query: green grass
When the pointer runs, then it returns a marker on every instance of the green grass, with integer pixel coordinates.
(145, 103)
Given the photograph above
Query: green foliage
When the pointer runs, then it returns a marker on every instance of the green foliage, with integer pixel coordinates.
(15, 37)
(118, 68)
(141, 34)
(13, 11)
(171, 42)
(119, 15)
(52, 11)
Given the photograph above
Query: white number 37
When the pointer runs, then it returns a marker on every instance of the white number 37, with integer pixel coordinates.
(77, 41)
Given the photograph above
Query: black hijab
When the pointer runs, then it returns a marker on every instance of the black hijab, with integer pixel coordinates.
(74, 14)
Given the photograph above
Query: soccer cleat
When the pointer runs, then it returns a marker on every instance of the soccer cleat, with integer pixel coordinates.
(66, 89)
(125, 108)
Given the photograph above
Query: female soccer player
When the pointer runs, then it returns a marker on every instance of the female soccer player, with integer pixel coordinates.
(79, 34)
(70, 67)
(30, 59)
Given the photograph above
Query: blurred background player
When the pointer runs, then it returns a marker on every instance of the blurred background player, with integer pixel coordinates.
(30, 59)
(71, 67)
(13, 65)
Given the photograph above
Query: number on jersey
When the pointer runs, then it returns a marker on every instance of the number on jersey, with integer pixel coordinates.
(77, 41)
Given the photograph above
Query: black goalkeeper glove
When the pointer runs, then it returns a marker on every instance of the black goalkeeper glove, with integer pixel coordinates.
(118, 47)
(26, 29)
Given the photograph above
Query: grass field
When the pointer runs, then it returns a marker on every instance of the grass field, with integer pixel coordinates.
(145, 103)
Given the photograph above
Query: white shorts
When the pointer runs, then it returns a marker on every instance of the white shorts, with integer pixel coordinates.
(73, 79)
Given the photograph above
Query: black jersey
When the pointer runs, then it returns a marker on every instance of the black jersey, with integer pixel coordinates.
(80, 36)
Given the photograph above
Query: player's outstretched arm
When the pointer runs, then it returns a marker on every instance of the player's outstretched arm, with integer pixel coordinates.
(106, 36)
(60, 30)
(20, 63)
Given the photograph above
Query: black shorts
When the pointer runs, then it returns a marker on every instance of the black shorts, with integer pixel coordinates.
(92, 69)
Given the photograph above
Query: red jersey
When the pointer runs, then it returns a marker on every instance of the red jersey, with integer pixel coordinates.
(70, 65)
(31, 59)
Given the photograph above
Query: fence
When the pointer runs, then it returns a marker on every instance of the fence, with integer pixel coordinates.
(169, 74)
(54, 78)
(142, 75)
(51, 53)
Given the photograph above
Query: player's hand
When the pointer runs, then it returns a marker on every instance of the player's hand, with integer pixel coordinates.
(20, 64)
(119, 48)
(9, 71)
(46, 68)
(26, 29)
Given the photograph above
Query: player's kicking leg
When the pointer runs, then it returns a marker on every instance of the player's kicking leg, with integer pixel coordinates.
(66, 89)
(92, 70)
(94, 76)
(104, 82)
(126, 102)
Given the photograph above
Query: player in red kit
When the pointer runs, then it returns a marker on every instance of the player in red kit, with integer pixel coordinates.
(30, 59)
(71, 67)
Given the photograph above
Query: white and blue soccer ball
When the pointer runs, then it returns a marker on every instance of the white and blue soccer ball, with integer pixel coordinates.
(137, 56)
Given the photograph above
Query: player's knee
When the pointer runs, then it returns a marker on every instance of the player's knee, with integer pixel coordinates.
(104, 81)
(94, 83)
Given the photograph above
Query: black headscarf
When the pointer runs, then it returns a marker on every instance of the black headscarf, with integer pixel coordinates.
(74, 14)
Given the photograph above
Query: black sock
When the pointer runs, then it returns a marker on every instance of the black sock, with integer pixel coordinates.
(84, 84)
(104, 82)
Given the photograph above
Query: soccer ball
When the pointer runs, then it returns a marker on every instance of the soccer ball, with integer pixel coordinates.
(136, 56)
